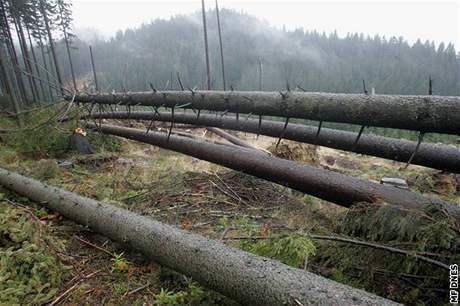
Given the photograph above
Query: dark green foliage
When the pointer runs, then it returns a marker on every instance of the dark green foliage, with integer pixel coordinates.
(41, 143)
(104, 142)
(291, 250)
(178, 289)
(45, 137)
(395, 276)
(42, 137)
(429, 230)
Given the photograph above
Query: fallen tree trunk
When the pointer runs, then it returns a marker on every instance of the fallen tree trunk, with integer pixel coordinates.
(230, 138)
(442, 157)
(324, 184)
(421, 113)
(247, 278)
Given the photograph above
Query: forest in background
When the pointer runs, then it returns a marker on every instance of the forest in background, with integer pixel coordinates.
(156, 52)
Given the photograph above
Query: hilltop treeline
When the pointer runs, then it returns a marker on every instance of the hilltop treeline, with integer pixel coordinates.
(155, 52)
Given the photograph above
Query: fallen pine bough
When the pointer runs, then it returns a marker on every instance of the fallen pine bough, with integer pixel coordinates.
(331, 186)
(439, 156)
(247, 278)
(426, 114)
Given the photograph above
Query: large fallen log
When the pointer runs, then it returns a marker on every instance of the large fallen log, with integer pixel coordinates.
(421, 113)
(324, 184)
(247, 278)
(439, 156)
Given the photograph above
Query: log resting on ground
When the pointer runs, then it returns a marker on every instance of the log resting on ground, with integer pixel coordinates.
(439, 156)
(439, 114)
(245, 277)
(328, 185)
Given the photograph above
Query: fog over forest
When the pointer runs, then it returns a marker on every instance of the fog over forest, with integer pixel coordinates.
(312, 60)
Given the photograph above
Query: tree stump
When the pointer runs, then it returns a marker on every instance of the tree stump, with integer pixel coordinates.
(79, 142)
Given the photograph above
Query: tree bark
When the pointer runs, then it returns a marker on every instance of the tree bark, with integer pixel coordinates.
(324, 184)
(27, 61)
(421, 113)
(72, 72)
(45, 64)
(222, 63)
(206, 49)
(53, 50)
(94, 69)
(13, 55)
(247, 278)
(9, 87)
(439, 156)
(37, 68)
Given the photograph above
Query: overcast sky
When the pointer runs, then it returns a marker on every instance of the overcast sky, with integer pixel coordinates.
(412, 19)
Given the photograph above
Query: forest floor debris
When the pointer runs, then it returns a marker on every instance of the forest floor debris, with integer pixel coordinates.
(223, 204)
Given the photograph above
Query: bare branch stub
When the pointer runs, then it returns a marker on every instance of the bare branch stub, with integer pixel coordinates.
(430, 86)
(179, 80)
(282, 133)
(355, 144)
(172, 123)
(153, 88)
(302, 89)
(364, 88)
(260, 124)
(420, 139)
(319, 129)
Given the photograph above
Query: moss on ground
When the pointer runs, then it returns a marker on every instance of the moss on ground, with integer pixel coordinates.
(30, 271)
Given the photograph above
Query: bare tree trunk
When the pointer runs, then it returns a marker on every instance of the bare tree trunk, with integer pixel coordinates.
(206, 49)
(57, 91)
(13, 55)
(45, 64)
(327, 185)
(221, 47)
(261, 86)
(247, 278)
(9, 87)
(72, 71)
(94, 69)
(25, 56)
(53, 50)
(438, 114)
(37, 68)
(439, 156)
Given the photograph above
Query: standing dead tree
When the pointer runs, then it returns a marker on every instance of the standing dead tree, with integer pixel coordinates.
(245, 277)
(222, 63)
(206, 48)
(439, 114)
(96, 85)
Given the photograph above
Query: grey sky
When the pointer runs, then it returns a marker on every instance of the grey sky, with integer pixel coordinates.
(432, 20)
